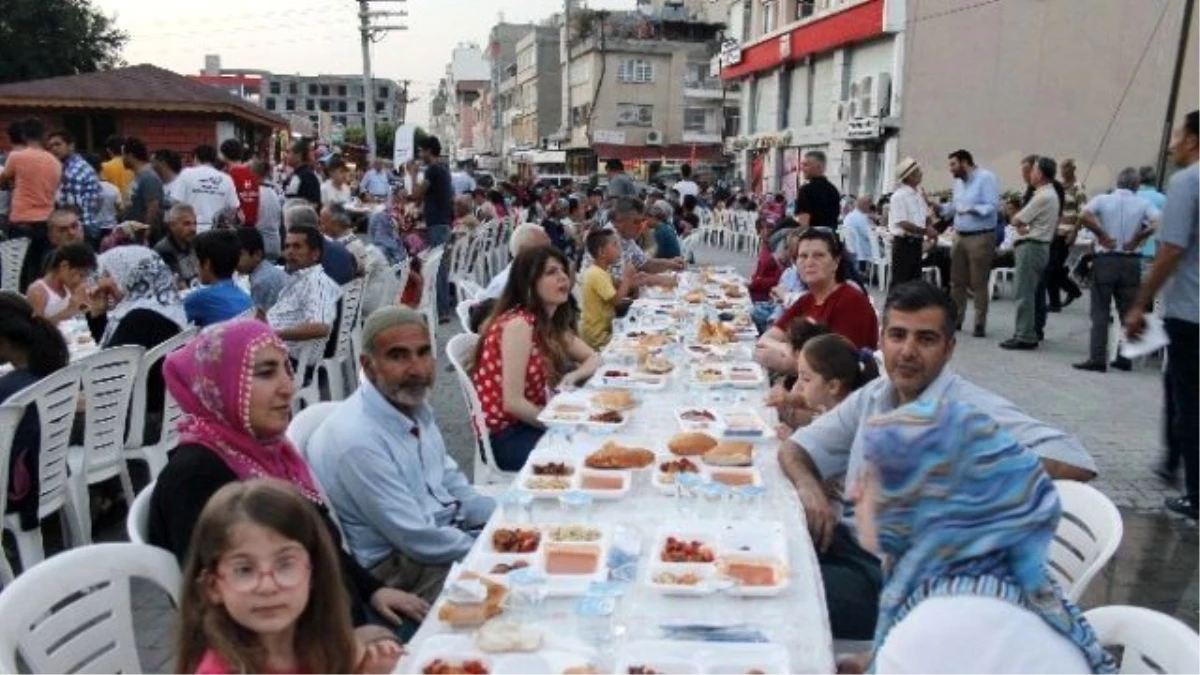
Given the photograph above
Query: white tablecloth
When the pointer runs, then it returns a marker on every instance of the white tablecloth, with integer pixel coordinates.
(795, 619)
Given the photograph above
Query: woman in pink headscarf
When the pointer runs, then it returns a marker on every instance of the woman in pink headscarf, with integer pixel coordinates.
(234, 384)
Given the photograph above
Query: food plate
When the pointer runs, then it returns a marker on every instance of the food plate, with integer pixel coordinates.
(629, 378)
(670, 656)
(742, 423)
(743, 374)
(699, 418)
(557, 654)
(754, 552)
(576, 409)
(571, 555)
(547, 475)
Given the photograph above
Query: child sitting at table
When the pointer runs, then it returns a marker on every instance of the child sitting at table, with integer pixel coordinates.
(786, 396)
(233, 620)
(601, 296)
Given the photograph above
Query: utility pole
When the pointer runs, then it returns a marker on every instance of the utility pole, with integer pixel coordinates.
(1173, 97)
(369, 33)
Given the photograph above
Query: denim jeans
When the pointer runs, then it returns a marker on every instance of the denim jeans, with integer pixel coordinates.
(853, 579)
(513, 445)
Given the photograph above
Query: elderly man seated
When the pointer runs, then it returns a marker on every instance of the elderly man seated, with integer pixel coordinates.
(306, 308)
(918, 341)
(338, 263)
(337, 224)
(176, 248)
(407, 510)
(525, 236)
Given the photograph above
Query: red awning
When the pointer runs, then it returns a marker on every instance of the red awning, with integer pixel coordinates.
(686, 152)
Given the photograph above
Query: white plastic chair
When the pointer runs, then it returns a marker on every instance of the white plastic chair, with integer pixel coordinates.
(401, 270)
(334, 368)
(1151, 641)
(881, 262)
(463, 310)
(137, 521)
(429, 299)
(460, 349)
(933, 275)
(12, 258)
(73, 613)
(9, 418)
(55, 397)
(1001, 278)
(305, 424)
(1087, 537)
(108, 379)
(136, 448)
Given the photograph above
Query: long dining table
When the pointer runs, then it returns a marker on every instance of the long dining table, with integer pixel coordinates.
(627, 617)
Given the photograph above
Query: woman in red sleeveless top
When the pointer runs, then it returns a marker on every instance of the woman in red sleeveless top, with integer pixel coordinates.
(528, 347)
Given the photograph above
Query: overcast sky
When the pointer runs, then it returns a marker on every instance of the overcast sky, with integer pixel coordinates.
(312, 37)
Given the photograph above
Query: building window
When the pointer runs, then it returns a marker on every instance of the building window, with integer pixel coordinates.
(341, 106)
(634, 115)
(292, 88)
(290, 104)
(274, 87)
(310, 105)
(635, 70)
(696, 119)
(378, 106)
(312, 90)
(733, 121)
(806, 9)
(325, 105)
(383, 92)
(747, 21)
(270, 103)
(770, 15)
(361, 107)
(697, 75)
(324, 90)
(341, 90)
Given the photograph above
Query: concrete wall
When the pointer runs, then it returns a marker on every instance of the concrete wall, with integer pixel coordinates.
(1012, 78)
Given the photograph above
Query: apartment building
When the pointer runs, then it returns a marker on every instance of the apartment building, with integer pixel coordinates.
(872, 81)
(502, 59)
(642, 90)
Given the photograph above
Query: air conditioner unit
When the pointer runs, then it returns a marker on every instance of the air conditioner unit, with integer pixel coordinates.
(654, 137)
(866, 97)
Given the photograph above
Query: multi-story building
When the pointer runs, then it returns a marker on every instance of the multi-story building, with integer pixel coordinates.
(502, 58)
(642, 90)
(536, 110)
(870, 82)
(454, 112)
(341, 97)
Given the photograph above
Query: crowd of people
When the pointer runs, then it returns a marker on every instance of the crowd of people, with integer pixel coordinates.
(893, 455)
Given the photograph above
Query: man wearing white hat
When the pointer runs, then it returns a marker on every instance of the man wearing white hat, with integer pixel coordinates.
(908, 222)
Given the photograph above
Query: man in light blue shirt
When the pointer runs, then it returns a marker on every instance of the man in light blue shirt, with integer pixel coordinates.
(1148, 178)
(375, 183)
(858, 233)
(406, 509)
(974, 208)
(918, 341)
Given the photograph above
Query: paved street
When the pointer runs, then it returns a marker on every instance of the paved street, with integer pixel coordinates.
(1116, 415)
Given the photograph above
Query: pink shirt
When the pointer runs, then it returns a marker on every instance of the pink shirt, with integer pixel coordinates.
(213, 664)
(36, 174)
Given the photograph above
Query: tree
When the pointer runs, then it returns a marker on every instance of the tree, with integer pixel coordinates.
(48, 38)
(385, 139)
(354, 136)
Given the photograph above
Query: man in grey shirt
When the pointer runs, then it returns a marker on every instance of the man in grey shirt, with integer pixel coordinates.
(619, 183)
(1035, 225)
(918, 340)
(1177, 267)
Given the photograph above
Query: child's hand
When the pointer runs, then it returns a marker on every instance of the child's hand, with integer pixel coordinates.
(380, 657)
(783, 432)
(776, 397)
(390, 603)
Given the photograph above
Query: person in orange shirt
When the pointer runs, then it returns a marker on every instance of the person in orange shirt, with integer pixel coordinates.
(34, 175)
(113, 169)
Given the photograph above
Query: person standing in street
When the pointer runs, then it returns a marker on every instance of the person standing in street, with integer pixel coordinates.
(34, 175)
(114, 170)
(1122, 222)
(79, 188)
(303, 183)
(1147, 190)
(245, 180)
(1035, 224)
(858, 232)
(908, 221)
(619, 182)
(1176, 270)
(437, 196)
(973, 207)
(207, 190)
(818, 202)
(146, 198)
(374, 184)
(1058, 277)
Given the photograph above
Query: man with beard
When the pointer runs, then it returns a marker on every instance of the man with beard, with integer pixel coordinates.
(406, 509)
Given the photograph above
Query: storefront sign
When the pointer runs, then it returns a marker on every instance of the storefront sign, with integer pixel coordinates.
(731, 52)
(863, 128)
(607, 136)
(403, 151)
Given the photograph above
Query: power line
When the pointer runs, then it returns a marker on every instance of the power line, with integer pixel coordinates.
(948, 12)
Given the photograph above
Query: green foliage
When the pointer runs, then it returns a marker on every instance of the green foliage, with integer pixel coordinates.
(49, 38)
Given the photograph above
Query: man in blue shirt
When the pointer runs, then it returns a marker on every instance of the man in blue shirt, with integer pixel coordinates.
(218, 298)
(266, 279)
(976, 200)
(406, 509)
(375, 183)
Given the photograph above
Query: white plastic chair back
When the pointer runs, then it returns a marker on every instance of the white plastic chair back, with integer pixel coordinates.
(463, 310)
(137, 522)
(10, 417)
(306, 423)
(429, 270)
(12, 258)
(108, 380)
(136, 448)
(1151, 641)
(55, 396)
(1087, 537)
(460, 248)
(461, 349)
(73, 613)
(335, 366)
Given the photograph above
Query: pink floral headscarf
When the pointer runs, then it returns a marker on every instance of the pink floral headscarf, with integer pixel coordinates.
(210, 378)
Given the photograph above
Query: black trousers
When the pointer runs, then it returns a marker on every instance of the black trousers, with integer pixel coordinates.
(853, 580)
(906, 260)
(1181, 398)
(1058, 277)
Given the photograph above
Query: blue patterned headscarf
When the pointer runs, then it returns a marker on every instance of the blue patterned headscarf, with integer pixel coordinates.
(963, 509)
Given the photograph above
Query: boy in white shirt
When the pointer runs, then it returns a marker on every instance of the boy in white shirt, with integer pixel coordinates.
(209, 191)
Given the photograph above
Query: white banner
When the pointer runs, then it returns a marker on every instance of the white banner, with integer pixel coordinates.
(404, 146)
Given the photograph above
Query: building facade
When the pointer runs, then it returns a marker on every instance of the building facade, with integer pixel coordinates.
(538, 85)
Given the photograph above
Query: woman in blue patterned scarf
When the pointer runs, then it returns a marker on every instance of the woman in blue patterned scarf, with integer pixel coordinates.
(963, 518)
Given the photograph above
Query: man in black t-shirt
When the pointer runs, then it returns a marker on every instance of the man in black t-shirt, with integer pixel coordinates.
(818, 204)
(437, 196)
(303, 184)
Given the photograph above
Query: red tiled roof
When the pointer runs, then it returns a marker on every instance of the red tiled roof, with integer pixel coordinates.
(140, 87)
(680, 151)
